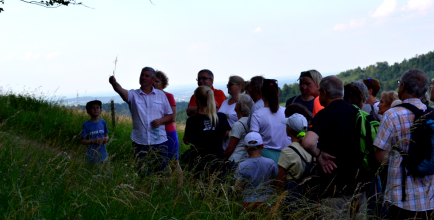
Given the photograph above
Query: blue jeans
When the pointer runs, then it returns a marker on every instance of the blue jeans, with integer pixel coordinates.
(150, 158)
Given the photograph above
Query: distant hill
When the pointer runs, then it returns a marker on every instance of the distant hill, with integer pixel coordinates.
(385, 73)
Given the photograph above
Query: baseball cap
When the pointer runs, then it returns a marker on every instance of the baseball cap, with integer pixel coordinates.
(296, 122)
(89, 104)
(253, 139)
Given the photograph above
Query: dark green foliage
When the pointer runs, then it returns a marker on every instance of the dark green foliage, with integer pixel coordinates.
(385, 73)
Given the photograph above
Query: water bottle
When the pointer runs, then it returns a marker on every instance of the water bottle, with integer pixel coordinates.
(156, 133)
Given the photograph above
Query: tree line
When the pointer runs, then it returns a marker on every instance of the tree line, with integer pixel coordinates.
(385, 73)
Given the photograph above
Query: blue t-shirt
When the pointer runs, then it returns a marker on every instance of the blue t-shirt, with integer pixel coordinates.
(93, 130)
(256, 174)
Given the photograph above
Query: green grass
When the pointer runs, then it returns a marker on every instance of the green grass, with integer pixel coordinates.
(44, 174)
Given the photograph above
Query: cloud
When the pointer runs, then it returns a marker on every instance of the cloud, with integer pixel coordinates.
(53, 55)
(257, 30)
(7, 58)
(418, 5)
(36, 56)
(387, 8)
(339, 27)
(26, 56)
(357, 22)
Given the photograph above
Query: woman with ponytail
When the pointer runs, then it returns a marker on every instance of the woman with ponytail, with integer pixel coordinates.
(267, 121)
(205, 132)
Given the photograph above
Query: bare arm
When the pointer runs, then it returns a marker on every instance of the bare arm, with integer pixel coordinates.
(162, 121)
(118, 88)
(380, 155)
(324, 159)
(281, 177)
(233, 142)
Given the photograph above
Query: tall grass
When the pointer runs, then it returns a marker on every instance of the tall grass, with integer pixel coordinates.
(44, 174)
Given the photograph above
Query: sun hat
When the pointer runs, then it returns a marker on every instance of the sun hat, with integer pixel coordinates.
(253, 139)
(296, 122)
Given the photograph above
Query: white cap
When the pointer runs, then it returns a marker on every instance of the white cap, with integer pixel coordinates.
(253, 136)
(296, 122)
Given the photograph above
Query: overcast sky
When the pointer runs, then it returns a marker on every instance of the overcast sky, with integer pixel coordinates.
(72, 49)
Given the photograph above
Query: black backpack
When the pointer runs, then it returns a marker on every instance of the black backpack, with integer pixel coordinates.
(419, 160)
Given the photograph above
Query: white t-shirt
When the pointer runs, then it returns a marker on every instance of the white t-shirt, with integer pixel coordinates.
(258, 105)
(239, 131)
(231, 115)
(229, 111)
(269, 125)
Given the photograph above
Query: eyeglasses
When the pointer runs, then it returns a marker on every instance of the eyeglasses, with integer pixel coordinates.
(202, 78)
(231, 84)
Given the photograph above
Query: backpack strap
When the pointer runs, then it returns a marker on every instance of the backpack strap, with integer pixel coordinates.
(244, 127)
(417, 112)
(293, 100)
(298, 152)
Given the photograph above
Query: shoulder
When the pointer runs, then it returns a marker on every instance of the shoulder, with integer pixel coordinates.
(221, 116)
(102, 121)
(218, 91)
(169, 95)
(159, 92)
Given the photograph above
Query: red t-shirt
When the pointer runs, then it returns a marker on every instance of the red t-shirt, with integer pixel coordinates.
(219, 97)
(171, 126)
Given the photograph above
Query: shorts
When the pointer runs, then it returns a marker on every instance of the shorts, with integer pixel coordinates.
(173, 145)
(271, 154)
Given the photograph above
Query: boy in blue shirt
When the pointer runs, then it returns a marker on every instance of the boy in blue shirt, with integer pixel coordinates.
(95, 134)
(255, 174)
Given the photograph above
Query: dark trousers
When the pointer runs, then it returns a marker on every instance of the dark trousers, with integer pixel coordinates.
(150, 158)
(397, 213)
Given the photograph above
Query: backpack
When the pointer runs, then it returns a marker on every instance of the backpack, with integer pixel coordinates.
(419, 160)
(367, 128)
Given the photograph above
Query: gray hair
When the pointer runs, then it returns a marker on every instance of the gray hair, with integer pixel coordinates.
(210, 74)
(416, 82)
(333, 86)
(246, 103)
(256, 83)
(363, 89)
(425, 99)
(147, 68)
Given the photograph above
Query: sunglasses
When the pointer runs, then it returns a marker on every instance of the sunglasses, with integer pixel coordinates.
(231, 84)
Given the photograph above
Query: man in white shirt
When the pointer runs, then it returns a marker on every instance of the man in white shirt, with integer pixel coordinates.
(150, 110)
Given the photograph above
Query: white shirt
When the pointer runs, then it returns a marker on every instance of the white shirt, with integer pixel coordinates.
(258, 105)
(145, 109)
(229, 111)
(239, 130)
(269, 125)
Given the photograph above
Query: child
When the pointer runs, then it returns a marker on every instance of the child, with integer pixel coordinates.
(255, 173)
(293, 160)
(95, 134)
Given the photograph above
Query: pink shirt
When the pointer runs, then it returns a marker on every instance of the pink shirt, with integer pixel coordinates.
(170, 127)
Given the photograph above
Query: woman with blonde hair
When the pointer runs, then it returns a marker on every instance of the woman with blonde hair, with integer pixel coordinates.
(309, 85)
(387, 98)
(205, 132)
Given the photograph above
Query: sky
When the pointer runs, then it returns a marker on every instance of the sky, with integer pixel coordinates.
(70, 51)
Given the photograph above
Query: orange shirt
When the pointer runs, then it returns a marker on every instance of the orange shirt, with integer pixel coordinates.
(316, 106)
(219, 97)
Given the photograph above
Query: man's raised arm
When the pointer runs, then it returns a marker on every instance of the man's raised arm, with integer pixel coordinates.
(118, 88)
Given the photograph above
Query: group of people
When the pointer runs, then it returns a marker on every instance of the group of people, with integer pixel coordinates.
(267, 146)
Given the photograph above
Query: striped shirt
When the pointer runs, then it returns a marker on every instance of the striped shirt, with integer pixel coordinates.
(395, 131)
(145, 108)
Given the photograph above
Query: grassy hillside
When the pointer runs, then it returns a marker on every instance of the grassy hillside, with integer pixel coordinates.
(44, 175)
(387, 74)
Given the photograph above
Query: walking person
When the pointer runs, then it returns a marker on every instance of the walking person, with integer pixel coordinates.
(267, 122)
(150, 111)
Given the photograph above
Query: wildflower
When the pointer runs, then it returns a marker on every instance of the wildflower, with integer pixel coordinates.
(42, 183)
(126, 175)
(126, 164)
